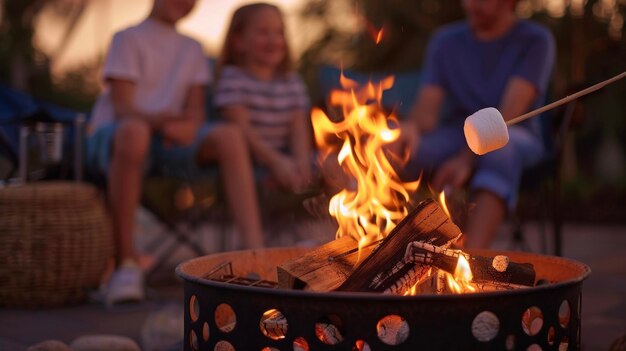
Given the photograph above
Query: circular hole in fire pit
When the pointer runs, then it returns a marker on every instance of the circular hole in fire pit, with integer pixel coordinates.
(509, 343)
(485, 326)
(392, 329)
(205, 331)
(329, 329)
(300, 344)
(565, 313)
(361, 345)
(194, 308)
(534, 347)
(273, 324)
(223, 346)
(225, 318)
(563, 346)
(193, 340)
(532, 321)
(551, 336)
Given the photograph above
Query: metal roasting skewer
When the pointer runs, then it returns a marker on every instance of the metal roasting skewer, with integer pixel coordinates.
(565, 99)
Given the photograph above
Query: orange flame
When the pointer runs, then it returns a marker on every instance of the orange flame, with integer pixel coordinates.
(461, 281)
(442, 201)
(370, 210)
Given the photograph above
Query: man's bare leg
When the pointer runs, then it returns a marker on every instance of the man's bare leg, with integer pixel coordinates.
(484, 220)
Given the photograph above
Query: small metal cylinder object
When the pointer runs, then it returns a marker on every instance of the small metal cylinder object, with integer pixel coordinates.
(50, 137)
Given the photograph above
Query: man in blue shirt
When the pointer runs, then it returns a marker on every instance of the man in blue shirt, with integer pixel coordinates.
(493, 59)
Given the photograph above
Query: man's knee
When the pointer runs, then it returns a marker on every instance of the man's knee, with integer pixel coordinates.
(132, 140)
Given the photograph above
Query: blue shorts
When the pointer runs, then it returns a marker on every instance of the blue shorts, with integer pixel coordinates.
(175, 161)
(499, 171)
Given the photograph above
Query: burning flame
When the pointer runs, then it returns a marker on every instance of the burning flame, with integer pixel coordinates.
(461, 282)
(442, 201)
(377, 201)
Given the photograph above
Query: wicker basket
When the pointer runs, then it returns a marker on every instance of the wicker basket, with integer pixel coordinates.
(55, 241)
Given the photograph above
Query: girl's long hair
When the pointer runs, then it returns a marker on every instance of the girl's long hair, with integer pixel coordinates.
(240, 20)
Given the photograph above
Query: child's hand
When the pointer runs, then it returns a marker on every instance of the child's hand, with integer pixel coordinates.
(180, 133)
(286, 172)
(161, 120)
(304, 171)
(408, 141)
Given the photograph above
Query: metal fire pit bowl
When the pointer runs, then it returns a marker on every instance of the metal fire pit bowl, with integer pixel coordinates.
(227, 316)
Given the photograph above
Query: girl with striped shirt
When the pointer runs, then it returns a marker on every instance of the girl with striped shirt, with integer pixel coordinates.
(258, 90)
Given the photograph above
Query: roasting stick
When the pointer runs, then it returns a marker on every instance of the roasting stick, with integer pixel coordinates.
(486, 130)
(565, 100)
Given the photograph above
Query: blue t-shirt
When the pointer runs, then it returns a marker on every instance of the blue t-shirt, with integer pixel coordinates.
(474, 73)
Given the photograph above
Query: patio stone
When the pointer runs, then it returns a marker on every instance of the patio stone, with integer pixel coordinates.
(104, 343)
(50, 345)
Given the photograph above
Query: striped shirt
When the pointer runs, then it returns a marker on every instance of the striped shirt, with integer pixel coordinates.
(271, 104)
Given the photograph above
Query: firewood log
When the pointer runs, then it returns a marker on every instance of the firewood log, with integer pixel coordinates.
(385, 266)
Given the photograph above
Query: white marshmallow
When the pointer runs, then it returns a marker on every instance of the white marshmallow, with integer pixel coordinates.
(486, 131)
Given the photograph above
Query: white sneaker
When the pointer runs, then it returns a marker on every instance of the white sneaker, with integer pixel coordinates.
(126, 284)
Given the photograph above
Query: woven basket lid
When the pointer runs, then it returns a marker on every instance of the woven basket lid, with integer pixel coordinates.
(48, 192)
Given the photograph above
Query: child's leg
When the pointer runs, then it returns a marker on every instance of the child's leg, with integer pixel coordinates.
(227, 146)
(131, 144)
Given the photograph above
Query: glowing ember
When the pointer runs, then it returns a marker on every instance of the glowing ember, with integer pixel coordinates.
(379, 36)
(377, 200)
(376, 34)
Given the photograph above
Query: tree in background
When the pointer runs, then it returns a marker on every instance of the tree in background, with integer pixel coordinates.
(24, 67)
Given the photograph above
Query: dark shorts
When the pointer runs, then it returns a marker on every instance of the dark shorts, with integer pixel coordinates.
(163, 159)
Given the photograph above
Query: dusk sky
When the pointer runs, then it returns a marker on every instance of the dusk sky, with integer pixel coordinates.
(102, 18)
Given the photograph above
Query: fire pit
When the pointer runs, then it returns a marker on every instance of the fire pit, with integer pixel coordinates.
(231, 302)
(348, 293)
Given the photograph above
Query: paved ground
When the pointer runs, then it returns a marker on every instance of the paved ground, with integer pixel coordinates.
(604, 292)
(604, 298)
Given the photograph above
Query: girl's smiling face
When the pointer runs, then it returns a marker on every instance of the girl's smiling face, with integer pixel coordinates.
(263, 40)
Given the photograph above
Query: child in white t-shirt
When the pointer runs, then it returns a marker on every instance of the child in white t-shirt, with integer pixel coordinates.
(152, 114)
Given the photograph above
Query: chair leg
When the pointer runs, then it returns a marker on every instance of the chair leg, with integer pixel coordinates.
(517, 241)
(223, 226)
(161, 259)
(557, 224)
(543, 218)
(181, 238)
